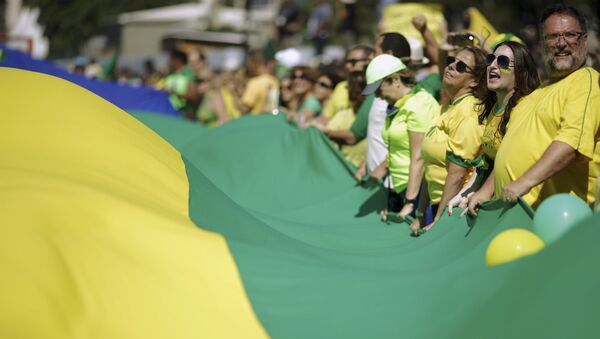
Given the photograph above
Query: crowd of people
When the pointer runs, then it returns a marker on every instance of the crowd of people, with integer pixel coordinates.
(442, 124)
(483, 128)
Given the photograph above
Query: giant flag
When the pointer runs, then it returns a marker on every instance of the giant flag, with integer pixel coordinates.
(123, 96)
(115, 226)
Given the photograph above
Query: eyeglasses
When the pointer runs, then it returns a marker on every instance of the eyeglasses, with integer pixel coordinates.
(570, 37)
(502, 60)
(355, 61)
(461, 67)
(324, 85)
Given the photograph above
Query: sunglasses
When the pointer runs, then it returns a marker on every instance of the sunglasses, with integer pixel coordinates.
(324, 85)
(502, 60)
(461, 67)
(355, 61)
(301, 76)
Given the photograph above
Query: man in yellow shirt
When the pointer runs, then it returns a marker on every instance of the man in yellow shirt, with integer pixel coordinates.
(356, 62)
(340, 112)
(261, 92)
(553, 133)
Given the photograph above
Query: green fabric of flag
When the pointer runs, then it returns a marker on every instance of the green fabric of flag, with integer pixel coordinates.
(317, 262)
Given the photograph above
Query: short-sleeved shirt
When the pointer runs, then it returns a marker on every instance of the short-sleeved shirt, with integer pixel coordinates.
(259, 93)
(454, 136)
(490, 142)
(339, 100)
(431, 83)
(178, 83)
(414, 113)
(567, 111)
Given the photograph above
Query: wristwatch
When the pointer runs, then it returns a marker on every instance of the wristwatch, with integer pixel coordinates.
(406, 201)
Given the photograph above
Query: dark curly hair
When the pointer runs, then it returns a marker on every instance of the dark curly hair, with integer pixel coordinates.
(526, 81)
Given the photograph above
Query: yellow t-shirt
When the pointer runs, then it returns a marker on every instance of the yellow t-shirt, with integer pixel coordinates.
(343, 121)
(415, 113)
(232, 110)
(566, 111)
(339, 100)
(490, 142)
(455, 132)
(260, 93)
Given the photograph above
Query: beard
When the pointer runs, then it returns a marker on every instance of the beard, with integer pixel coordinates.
(562, 66)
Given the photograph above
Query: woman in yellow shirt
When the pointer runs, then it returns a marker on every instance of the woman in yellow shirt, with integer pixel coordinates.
(452, 143)
(511, 75)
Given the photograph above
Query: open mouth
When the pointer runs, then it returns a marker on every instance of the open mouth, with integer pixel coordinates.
(493, 75)
(562, 54)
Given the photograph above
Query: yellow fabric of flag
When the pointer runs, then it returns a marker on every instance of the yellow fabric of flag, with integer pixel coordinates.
(479, 24)
(95, 237)
(397, 18)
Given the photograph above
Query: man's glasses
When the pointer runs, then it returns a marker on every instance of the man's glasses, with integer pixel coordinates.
(324, 85)
(502, 60)
(353, 62)
(570, 37)
(460, 67)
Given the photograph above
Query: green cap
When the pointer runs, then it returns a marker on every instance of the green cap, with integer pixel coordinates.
(380, 67)
(503, 37)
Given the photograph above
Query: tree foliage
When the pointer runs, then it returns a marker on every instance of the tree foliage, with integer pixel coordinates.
(68, 24)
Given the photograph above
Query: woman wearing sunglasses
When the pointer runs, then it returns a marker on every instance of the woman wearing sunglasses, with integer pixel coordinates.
(453, 142)
(511, 75)
(303, 80)
(286, 95)
(324, 86)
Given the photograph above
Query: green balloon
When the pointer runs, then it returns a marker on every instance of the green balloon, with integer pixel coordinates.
(558, 214)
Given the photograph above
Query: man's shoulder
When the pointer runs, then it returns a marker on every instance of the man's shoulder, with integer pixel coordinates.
(262, 79)
(580, 77)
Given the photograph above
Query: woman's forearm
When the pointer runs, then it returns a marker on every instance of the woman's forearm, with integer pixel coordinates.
(415, 176)
(487, 189)
(454, 180)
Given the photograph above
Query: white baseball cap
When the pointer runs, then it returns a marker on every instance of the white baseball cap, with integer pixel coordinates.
(380, 67)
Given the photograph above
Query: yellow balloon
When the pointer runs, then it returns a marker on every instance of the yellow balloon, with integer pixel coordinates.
(512, 244)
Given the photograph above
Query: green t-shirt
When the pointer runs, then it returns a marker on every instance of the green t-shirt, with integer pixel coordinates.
(361, 122)
(312, 104)
(415, 113)
(178, 84)
(432, 84)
